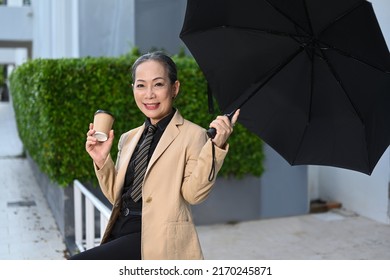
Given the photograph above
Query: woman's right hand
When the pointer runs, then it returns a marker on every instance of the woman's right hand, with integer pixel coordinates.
(98, 151)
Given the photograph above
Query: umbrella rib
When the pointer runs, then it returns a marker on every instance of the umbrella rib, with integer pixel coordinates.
(336, 76)
(353, 8)
(273, 73)
(286, 16)
(333, 71)
(345, 53)
(247, 29)
(308, 17)
(295, 37)
(310, 105)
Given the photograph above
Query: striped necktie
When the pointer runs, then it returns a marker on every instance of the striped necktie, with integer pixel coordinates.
(141, 162)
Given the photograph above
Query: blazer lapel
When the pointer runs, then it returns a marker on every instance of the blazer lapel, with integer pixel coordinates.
(167, 138)
(128, 145)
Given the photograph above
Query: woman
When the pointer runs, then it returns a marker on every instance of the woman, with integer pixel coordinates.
(156, 222)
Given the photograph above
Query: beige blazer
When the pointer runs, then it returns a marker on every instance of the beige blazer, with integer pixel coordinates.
(176, 177)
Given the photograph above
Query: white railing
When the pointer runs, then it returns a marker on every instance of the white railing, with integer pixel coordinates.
(85, 235)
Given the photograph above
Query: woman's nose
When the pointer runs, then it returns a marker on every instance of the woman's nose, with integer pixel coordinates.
(149, 92)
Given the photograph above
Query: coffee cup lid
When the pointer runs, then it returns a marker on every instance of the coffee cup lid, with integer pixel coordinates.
(104, 111)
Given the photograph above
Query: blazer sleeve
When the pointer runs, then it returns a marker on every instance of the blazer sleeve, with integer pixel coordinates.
(196, 184)
(107, 174)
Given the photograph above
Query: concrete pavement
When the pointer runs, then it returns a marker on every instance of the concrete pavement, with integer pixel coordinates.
(335, 235)
(28, 230)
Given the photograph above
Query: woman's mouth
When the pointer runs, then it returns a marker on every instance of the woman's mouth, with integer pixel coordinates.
(151, 106)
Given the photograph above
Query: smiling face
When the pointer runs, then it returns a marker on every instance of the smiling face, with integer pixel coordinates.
(153, 91)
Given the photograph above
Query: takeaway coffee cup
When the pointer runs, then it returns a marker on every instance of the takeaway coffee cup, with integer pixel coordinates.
(102, 124)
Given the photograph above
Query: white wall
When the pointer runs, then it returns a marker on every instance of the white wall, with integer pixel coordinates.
(366, 195)
(21, 56)
(15, 3)
(13, 57)
(56, 25)
(112, 28)
(7, 56)
(168, 16)
(16, 23)
(106, 27)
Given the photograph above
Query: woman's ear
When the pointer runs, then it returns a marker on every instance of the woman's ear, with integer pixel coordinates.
(176, 88)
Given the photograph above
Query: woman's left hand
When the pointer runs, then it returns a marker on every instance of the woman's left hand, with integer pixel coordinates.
(224, 128)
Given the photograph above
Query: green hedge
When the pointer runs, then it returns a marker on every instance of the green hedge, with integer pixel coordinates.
(2, 81)
(55, 100)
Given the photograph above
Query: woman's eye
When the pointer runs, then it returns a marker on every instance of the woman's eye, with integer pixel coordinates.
(159, 85)
(139, 85)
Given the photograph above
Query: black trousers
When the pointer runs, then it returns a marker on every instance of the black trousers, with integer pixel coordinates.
(124, 244)
(117, 249)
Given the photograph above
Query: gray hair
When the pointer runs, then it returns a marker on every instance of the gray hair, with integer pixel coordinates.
(161, 57)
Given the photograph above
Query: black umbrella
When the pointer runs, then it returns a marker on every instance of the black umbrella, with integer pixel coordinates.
(312, 77)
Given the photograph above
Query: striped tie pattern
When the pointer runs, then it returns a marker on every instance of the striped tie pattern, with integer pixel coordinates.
(141, 162)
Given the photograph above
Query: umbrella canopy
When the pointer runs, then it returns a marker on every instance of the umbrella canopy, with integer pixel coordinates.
(312, 77)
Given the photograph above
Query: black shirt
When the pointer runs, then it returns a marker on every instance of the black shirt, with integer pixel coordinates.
(129, 177)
